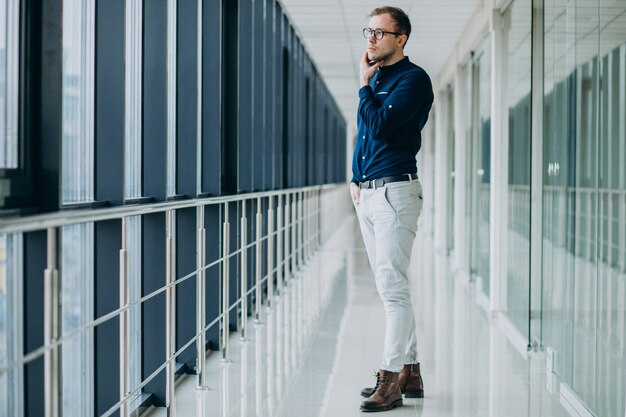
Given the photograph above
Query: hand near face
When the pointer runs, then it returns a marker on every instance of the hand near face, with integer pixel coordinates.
(367, 69)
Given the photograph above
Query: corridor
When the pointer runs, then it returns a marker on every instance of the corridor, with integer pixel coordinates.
(310, 357)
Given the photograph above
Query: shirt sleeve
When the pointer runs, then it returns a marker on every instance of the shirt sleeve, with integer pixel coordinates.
(411, 95)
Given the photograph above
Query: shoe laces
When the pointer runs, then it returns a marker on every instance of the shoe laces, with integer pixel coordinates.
(380, 379)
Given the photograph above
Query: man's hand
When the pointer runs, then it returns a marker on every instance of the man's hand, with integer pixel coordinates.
(367, 69)
(355, 193)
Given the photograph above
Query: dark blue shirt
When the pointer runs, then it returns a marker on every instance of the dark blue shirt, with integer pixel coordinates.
(392, 111)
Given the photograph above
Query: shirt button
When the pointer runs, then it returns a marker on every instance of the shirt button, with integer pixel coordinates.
(362, 157)
(390, 106)
(363, 136)
(377, 82)
(364, 176)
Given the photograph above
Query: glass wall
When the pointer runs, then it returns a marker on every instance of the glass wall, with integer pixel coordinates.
(610, 367)
(517, 24)
(584, 140)
(451, 166)
(480, 166)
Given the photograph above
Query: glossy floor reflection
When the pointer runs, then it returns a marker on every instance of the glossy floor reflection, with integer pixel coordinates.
(321, 343)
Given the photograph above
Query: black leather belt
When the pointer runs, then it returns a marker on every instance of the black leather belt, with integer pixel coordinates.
(386, 180)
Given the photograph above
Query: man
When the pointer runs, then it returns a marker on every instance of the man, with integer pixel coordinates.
(394, 100)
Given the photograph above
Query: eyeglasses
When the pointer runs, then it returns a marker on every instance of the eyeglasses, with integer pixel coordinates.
(378, 33)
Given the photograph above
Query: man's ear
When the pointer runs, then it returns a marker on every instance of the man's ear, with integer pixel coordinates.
(403, 44)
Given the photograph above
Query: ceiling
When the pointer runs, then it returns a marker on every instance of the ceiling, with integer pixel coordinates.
(331, 31)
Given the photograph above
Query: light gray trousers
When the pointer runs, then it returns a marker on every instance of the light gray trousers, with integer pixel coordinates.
(388, 218)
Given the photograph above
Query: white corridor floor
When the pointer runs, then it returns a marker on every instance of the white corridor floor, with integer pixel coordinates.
(321, 342)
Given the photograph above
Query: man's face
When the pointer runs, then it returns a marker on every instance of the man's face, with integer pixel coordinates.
(379, 50)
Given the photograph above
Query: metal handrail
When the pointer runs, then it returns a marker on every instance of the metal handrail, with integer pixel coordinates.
(78, 216)
(301, 228)
(37, 353)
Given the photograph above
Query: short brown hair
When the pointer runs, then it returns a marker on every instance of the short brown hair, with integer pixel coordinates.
(398, 15)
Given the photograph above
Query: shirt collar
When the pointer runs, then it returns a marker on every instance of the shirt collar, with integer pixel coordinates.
(391, 69)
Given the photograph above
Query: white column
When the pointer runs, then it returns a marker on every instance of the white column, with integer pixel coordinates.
(425, 162)
(499, 164)
(133, 98)
(172, 28)
(441, 173)
(461, 249)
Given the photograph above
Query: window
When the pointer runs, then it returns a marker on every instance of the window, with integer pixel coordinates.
(78, 101)
(9, 19)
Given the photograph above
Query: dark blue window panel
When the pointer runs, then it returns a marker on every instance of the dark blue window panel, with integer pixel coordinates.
(230, 97)
(153, 310)
(280, 22)
(107, 237)
(246, 145)
(155, 99)
(186, 98)
(212, 59)
(308, 140)
(109, 128)
(269, 95)
(213, 276)
(286, 107)
(234, 214)
(34, 264)
(186, 291)
(36, 184)
(258, 96)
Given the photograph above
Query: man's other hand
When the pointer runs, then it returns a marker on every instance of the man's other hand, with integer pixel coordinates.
(355, 193)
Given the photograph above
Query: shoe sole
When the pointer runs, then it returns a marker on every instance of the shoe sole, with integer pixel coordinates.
(414, 394)
(396, 403)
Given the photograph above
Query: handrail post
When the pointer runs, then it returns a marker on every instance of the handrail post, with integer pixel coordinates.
(243, 318)
(623, 232)
(51, 326)
(307, 224)
(279, 244)
(201, 300)
(287, 236)
(124, 321)
(294, 233)
(170, 314)
(301, 224)
(259, 260)
(270, 251)
(311, 218)
(318, 217)
(225, 284)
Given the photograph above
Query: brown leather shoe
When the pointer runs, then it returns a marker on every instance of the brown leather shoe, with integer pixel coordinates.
(410, 380)
(386, 395)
